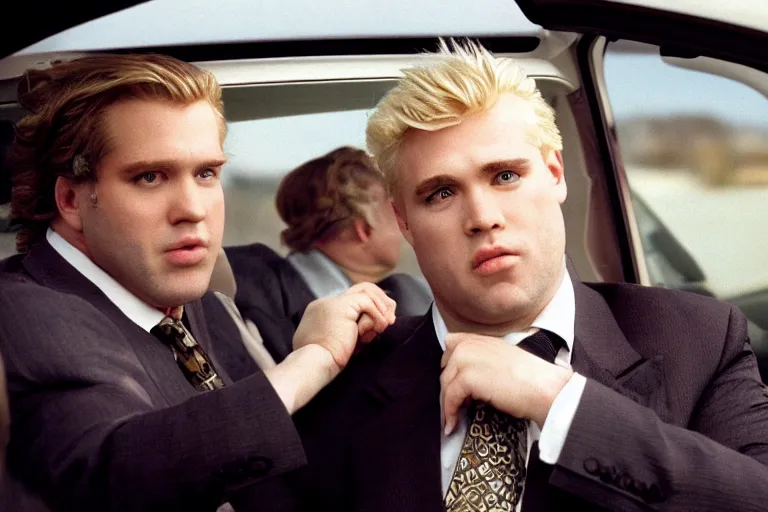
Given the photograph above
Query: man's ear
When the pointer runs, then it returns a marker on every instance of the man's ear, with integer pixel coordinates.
(68, 202)
(402, 223)
(362, 229)
(554, 162)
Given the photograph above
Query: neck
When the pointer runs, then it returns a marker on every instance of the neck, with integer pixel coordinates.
(364, 275)
(73, 237)
(517, 320)
(77, 240)
(514, 323)
(354, 262)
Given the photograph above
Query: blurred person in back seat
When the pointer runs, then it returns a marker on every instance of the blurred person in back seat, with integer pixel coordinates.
(117, 395)
(341, 230)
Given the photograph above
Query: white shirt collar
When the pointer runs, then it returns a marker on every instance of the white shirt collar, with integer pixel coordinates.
(322, 275)
(559, 317)
(141, 313)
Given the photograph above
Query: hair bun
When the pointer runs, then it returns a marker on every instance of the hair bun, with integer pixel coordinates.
(34, 89)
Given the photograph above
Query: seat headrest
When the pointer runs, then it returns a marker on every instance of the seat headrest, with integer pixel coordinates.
(223, 279)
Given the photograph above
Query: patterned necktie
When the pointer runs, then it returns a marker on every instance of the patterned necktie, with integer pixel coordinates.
(188, 354)
(491, 469)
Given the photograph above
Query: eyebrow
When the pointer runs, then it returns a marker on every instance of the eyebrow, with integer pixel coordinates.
(142, 165)
(433, 183)
(516, 164)
(442, 180)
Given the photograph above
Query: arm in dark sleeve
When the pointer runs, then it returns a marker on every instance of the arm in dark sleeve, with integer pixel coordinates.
(86, 435)
(620, 455)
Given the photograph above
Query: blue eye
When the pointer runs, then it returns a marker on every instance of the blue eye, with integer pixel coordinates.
(207, 173)
(507, 177)
(147, 177)
(439, 194)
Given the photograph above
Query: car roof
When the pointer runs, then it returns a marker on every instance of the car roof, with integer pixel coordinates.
(182, 22)
(745, 13)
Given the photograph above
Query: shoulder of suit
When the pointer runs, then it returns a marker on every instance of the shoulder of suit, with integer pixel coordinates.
(403, 328)
(31, 301)
(257, 252)
(46, 333)
(657, 297)
(662, 313)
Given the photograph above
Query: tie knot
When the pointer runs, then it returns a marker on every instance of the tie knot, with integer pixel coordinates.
(543, 344)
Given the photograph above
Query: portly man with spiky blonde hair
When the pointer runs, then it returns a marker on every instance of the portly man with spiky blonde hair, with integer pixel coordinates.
(523, 388)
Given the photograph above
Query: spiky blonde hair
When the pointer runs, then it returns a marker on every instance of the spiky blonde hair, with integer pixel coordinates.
(458, 81)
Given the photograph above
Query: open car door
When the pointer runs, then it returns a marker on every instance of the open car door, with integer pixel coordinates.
(677, 98)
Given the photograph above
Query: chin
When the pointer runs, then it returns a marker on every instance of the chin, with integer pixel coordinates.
(184, 292)
(501, 302)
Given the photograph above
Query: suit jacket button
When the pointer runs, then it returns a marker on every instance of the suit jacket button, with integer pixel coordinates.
(653, 494)
(259, 466)
(592, 466)
(608, 474)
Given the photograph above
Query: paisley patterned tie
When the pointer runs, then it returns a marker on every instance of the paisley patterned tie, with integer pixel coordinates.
(189, 355)
(491, 468)
(490, 472)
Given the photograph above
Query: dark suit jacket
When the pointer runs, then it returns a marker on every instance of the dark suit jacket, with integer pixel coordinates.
(104, 420)
(267, 284)
(673, 416)
(5, 418)
(276, 332)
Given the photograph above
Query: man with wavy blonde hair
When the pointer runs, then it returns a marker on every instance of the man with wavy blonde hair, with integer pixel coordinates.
(117, 396)
(523, 388)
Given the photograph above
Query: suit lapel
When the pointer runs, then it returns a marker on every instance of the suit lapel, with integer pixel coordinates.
(603, 353)
(397, 457)
(299, 295)
(47, 267)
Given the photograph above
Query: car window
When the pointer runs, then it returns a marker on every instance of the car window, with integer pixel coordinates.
(695, 150)
(274, 129)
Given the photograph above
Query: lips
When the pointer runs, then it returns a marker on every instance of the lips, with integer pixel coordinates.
(188, 243)
(188, 251)
(485, 254)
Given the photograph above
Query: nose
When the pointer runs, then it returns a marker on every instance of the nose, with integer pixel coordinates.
(483, 213)
(188, 201)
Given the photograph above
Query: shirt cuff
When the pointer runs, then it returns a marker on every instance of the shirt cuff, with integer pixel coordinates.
(559, 419)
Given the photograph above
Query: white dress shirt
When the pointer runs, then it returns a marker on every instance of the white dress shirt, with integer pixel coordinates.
(141, 313)
(557, 317)
(322, 275)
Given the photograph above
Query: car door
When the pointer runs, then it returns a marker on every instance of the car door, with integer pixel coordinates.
(677, 94)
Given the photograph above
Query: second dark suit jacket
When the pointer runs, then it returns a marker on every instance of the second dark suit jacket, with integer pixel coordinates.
(673, 416)
(268, 283)
(104, 420)
(270, 288)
